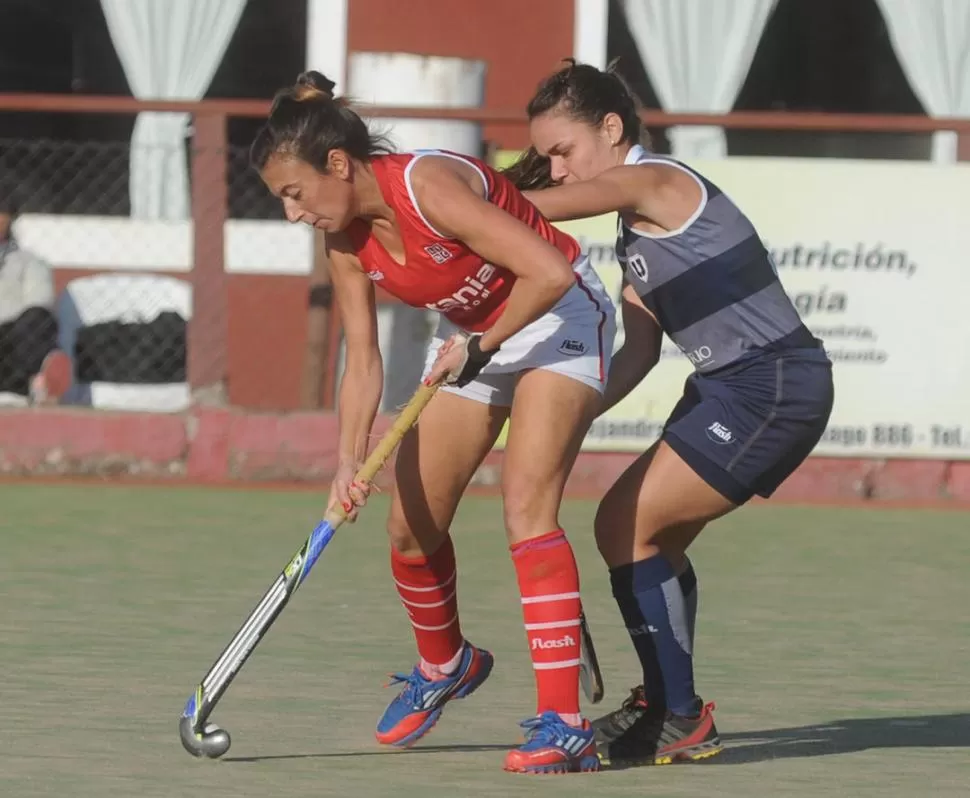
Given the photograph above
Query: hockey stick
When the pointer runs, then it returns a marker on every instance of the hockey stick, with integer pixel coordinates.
(206, 739)
(590, 677)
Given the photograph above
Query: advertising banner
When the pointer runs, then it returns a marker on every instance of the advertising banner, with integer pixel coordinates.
(876, 257)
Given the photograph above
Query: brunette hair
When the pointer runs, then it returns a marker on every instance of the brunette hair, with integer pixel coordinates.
(586, 94)
(307, 122)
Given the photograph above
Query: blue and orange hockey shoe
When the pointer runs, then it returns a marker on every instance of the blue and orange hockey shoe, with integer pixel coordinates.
(553, 746)
(418, 706)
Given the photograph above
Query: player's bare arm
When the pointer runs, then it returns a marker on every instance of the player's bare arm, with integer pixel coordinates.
(451, 197)
(363, 380)
(640, 352)
(661, 195)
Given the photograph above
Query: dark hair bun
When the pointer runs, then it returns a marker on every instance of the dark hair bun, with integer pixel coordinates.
(311, 85)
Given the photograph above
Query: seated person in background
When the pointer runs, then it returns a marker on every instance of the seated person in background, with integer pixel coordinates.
(31, 366)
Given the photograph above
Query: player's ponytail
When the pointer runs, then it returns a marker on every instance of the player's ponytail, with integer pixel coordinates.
(530, 172)
(307, 122)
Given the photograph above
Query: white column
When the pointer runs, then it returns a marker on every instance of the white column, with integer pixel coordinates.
(403, 79)
(326, 39)
(326, 50)
(590, 23)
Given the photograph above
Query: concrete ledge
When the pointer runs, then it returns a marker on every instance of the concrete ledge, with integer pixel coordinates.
(85, 442)
(221, 446)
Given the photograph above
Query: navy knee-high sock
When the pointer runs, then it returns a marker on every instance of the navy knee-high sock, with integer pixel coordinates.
(652, 604)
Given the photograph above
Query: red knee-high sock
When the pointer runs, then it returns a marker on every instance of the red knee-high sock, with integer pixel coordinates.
(428, 589)
(549, 584)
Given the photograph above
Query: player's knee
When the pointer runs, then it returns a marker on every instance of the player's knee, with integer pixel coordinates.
(519, 519)
(606, 530)
(525, 513)
(400, 534)
(622, 536)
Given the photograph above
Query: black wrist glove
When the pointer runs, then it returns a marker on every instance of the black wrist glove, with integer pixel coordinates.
(475, 361)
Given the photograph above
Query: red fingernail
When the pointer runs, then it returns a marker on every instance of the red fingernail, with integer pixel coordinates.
(348, 507)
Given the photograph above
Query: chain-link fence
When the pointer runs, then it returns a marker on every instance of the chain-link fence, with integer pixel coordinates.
(92, 178)
(151, 313)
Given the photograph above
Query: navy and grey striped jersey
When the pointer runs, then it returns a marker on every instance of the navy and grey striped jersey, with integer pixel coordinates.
(711, 284)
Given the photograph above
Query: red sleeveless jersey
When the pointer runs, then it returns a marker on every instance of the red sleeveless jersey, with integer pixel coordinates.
(439, 272)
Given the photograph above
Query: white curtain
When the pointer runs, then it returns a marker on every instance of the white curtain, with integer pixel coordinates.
(932, 40)
(697, 54)
(169, 49)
